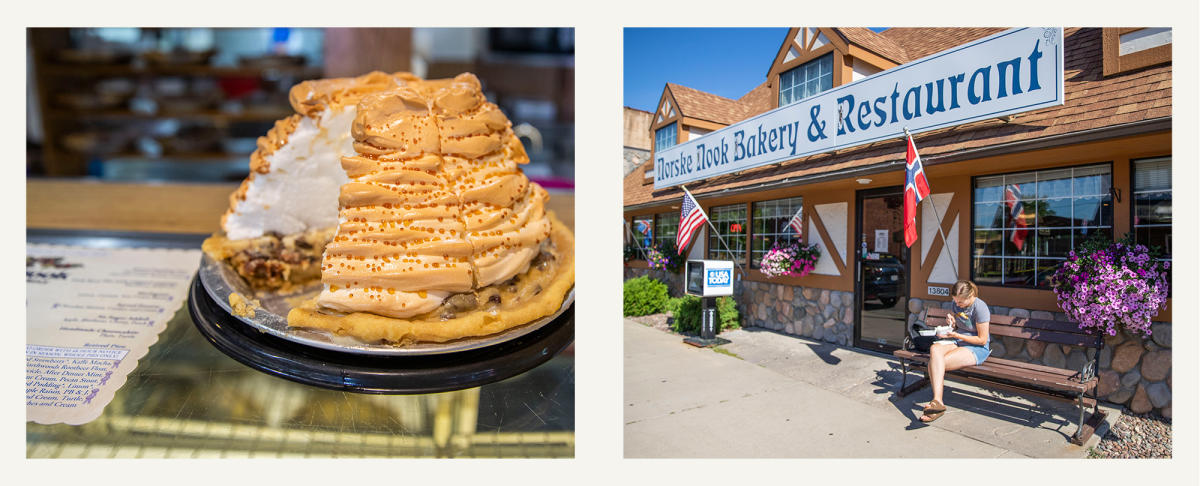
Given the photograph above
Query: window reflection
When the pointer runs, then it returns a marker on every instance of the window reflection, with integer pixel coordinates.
(730, 222)
(1025, 224)
(771, 223)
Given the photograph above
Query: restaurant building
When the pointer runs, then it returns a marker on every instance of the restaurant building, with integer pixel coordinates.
(1013, 193)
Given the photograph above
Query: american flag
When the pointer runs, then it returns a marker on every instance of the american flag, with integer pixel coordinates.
(1012, 199)
(797, 223)
(690, 218)
(916, 188)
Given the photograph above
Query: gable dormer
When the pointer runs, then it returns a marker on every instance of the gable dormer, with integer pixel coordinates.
(665, 127)
(812, 60)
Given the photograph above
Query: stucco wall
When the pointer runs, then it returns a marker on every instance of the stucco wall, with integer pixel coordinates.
(637, 128)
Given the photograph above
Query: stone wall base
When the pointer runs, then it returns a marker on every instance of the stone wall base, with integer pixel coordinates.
(674, 281)
(821, 314)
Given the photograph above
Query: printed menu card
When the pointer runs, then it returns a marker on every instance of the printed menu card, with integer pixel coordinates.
(91, 314)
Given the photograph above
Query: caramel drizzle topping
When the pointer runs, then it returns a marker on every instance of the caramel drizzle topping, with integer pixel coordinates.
(435, 193)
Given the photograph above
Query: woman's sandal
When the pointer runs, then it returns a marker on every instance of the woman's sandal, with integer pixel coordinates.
(933, 411)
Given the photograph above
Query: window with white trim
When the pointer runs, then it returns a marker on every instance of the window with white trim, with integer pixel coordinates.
(806, 80)
(1025, 224)
(1152, 203)
(643, 234)
(664, 137)
(770, 222)
(730, 221)
(666, 225)
(1130, 48)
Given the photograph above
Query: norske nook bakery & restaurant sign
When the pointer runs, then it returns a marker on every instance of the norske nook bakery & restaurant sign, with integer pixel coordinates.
(1010, 72)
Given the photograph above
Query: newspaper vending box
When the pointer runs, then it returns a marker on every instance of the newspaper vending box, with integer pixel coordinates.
(708, 279)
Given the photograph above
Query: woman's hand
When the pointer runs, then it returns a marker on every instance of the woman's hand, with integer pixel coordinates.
(976, 340)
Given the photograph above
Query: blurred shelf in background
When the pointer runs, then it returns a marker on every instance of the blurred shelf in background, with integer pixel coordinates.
(136, 104)
(83, 70)
(112, 95)
(259, 115)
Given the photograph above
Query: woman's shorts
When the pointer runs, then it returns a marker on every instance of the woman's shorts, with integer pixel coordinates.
(981, 353)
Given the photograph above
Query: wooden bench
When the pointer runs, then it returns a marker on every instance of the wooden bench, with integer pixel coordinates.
(1017, 376)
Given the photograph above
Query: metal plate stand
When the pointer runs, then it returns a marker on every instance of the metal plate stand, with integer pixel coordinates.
(370, 373)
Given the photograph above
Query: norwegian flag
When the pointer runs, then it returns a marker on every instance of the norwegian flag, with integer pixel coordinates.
(916, 188)
(1016, 209)
(690, 218)
(797, 223)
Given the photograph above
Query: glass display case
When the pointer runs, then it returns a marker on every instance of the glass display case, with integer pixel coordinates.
(188, 399)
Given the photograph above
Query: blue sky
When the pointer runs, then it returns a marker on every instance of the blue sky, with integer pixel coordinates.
(723, 61)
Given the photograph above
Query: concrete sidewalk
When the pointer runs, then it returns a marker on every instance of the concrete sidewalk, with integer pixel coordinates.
(784, 396)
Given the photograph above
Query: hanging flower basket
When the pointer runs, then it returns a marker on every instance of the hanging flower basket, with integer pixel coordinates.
(790, 260)
(663, 257)
(1107, 287)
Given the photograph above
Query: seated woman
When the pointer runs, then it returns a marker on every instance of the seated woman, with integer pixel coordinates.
(973, 344)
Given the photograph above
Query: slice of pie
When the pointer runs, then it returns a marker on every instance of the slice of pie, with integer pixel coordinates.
(284, 213)
(440, 234)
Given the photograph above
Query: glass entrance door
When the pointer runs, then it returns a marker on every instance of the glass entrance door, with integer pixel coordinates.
(881, 261)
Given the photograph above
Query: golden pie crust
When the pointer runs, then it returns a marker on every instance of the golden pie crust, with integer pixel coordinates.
(242, 305)
(480, 322)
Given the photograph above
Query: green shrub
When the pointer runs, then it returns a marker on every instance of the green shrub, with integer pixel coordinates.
(687, 317)
(644, 295)
(727, 313)
(673, 305)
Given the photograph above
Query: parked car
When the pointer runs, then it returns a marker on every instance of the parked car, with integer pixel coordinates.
(883, 279)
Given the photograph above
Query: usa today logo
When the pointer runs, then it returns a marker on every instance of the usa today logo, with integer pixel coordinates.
(721, 277)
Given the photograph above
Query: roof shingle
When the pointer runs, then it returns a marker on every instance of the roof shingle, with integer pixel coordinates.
(918, 42)
(871, 41)
(694, 103)
(757, 100)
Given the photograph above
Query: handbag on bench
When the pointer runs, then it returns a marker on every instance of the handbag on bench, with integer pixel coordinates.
(914, 341)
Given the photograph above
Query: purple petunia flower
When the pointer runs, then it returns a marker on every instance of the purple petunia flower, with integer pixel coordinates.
(1118, 287)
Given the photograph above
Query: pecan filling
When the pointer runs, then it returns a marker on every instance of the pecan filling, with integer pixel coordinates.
(274, 261)
(503, 295)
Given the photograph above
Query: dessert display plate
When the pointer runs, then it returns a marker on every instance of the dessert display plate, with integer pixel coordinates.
(373, 372)
(220, 281)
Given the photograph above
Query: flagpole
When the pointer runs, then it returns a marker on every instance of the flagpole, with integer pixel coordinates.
(936, 214)
(714, 228)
